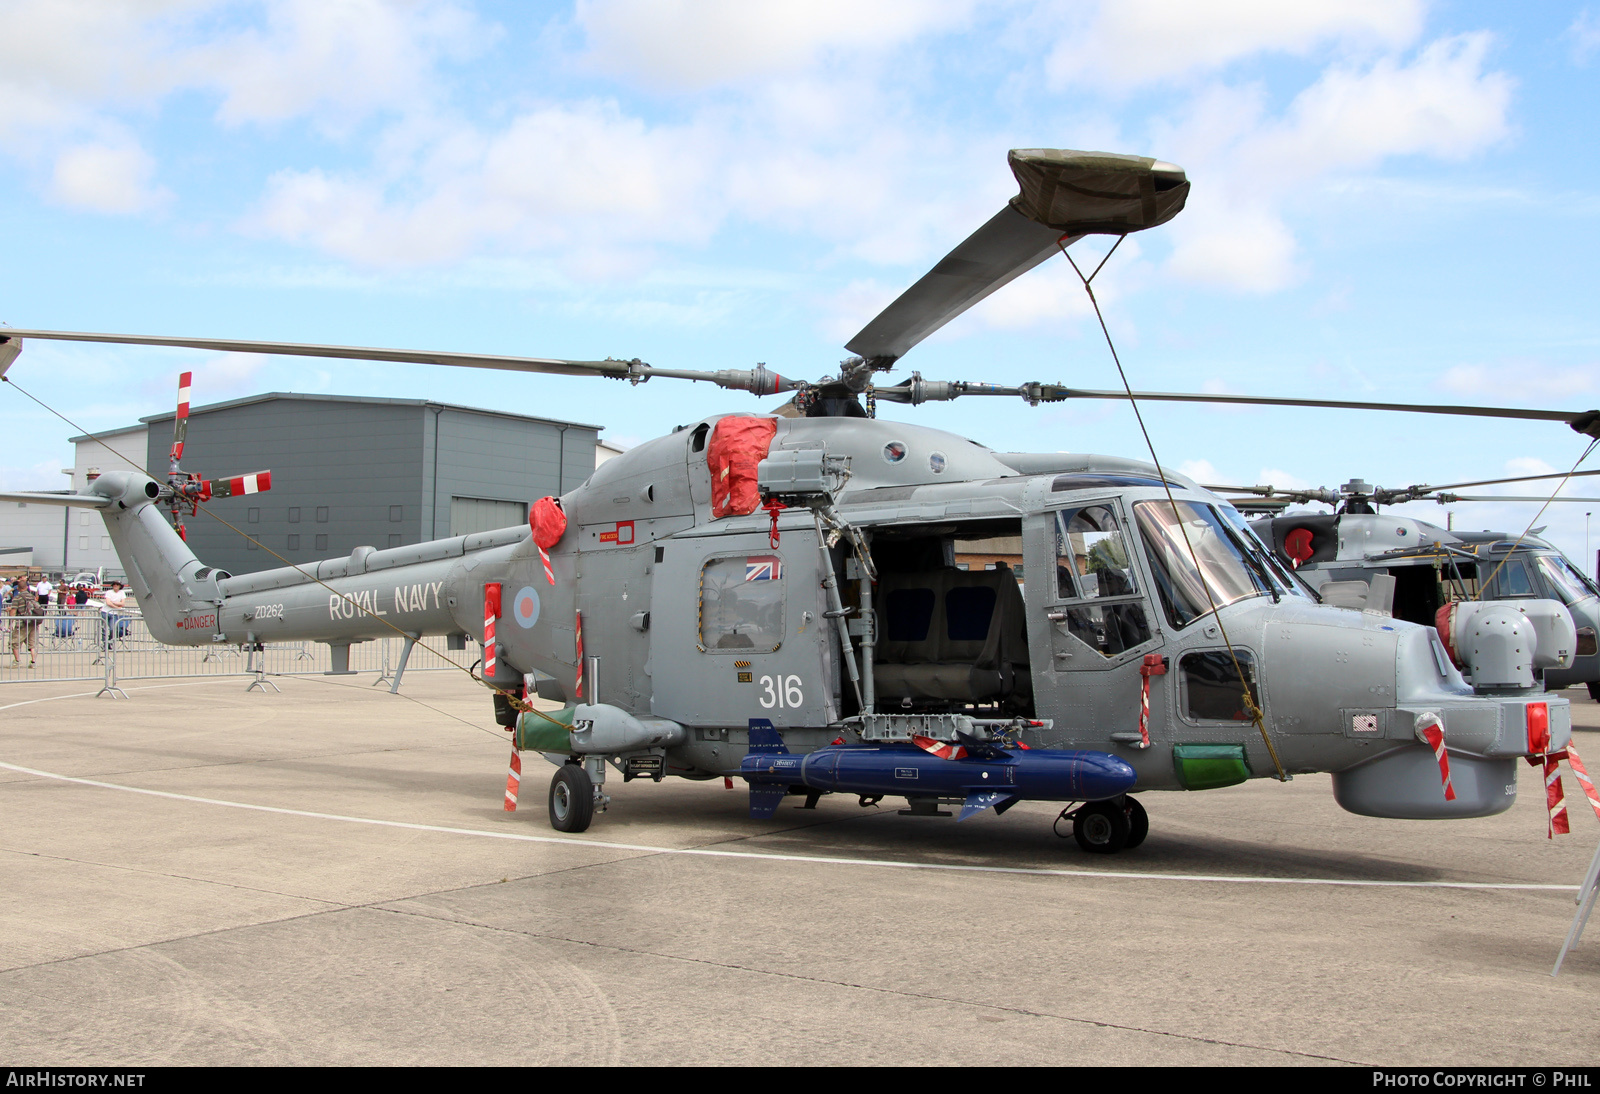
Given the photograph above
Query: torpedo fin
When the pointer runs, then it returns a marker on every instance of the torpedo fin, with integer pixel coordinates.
(979, 800)
(765, 799)
(764, 740)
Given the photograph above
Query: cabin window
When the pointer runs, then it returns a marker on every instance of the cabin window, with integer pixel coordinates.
(741, 604)
(1211, 689)
(1513, 581)
(294, 543)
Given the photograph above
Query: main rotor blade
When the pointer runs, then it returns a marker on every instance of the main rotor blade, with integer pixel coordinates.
(1451, 499)
(1005, 248)
(1064, 196)
(759, 380)
(355, 353)
(1519, 478)
(1586, 422)
(87, 501)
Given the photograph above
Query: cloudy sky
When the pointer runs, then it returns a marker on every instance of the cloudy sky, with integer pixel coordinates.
(1392, 200)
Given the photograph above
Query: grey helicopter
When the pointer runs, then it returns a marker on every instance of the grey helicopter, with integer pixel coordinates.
(817, 600)
(1358, 557)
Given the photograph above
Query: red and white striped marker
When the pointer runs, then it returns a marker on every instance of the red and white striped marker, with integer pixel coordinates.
(1555, 799)
(577, 689)
(1581, 773)
(1431, 730)
(549, 575)
(491, 612)
(941, 749)
(513, 781)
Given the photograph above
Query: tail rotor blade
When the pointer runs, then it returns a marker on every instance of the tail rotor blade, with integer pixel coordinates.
(239, 484)
(180, 424)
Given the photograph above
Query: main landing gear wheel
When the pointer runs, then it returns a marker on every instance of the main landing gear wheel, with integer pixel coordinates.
(1101, 828)
(571, 799)
(1138, 823)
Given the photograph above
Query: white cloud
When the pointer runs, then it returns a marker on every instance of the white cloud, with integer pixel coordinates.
(1125, 43)
(585, 179)
(226, 375)
(73, 68)
(1585, 36)
(105, 178)
(1533, 380)
(1440, 103)
(336, 59)
(692, 44)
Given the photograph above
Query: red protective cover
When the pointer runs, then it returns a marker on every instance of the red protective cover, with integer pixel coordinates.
(738, 444)
(549, 522)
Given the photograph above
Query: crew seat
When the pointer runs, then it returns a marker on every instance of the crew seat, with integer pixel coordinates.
(951, 634)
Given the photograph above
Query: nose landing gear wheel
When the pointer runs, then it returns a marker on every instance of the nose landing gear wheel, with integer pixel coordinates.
(571, 799)
(1138, 823)
(1101, 828)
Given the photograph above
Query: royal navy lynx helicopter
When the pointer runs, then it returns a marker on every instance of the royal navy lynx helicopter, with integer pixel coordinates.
(1359, 557)
(800, 598)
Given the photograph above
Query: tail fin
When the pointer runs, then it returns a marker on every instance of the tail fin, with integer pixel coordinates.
(177, 594)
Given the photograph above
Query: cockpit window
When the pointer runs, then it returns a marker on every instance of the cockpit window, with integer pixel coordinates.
(1093, 568)
(1569, 584)
(1225, 569)
(1091, 557)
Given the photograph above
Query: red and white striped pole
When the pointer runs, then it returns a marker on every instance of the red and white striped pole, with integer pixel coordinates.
(1154, 665)
(513, 780)
(544, 557)
(577, 690)
(491, 612)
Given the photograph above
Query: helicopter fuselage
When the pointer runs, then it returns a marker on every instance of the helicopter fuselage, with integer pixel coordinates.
(1053, 594)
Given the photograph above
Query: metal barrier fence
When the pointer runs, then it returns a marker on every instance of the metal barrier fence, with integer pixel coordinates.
(95, 644)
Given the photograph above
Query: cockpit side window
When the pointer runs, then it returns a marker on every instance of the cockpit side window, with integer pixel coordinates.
(1094, 572)
(1091, 555)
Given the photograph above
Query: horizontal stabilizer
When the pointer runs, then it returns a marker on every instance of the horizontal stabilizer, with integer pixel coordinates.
(764, 740)
(90, 501)
(765, 799)
(979, 800)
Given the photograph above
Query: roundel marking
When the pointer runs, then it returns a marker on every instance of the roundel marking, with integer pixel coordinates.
(525, 607)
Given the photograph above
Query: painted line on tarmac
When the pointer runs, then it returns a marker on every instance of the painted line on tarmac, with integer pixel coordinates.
(81, 694)
(707, 852)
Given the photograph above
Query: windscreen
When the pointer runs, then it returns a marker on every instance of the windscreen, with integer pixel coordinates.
(1224, 567)
(1569, 584)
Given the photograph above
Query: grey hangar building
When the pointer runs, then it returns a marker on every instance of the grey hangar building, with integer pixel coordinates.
(351, 471)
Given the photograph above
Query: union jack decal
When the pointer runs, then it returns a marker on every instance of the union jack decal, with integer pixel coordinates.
(765, 568)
